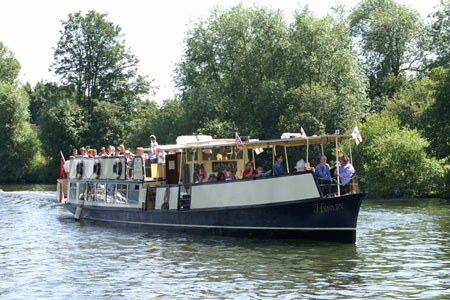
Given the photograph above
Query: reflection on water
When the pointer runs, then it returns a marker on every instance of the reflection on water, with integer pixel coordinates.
(402, 252)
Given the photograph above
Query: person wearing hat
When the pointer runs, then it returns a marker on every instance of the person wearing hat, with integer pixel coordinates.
(300, 166)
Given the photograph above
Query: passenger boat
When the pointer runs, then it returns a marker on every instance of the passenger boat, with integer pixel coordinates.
(164, 196)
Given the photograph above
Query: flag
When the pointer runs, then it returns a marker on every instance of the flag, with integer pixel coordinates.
(61, 169)
(356, 136)
(238, 140)
(303, 133)
(258, 151)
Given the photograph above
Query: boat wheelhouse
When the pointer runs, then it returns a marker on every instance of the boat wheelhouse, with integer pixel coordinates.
(166, 196)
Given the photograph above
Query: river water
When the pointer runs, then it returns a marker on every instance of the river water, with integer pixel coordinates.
(402, 252)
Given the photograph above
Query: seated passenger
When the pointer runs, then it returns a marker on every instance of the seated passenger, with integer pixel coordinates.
(278, 168)
(260, 171)
(249, 173)
(201, 178)
(212, 178)
(323, 169)
(300, 166)
(232, 175)
(83, 152)
(221, 176)
(346, 170)
(324, 175)
(202, 169)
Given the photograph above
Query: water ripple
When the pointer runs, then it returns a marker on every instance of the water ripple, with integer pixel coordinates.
(402, 252)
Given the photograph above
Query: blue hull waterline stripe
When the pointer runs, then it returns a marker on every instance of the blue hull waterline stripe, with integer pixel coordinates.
(226, 227)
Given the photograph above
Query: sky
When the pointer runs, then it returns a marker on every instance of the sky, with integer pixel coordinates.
(154, 30)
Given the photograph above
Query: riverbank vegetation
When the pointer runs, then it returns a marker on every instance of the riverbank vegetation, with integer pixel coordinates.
(378, 65)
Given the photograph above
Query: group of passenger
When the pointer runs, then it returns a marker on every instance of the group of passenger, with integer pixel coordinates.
(326, 176)
(221, 176)
(155, 154)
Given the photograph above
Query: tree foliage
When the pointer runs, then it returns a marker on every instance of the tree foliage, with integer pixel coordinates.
(388, 34)
(437, 116)
(91, 55)
(392, 160)
(9, 65)
(242, 67)
(439, 34)
(18, 143)
(411, 102)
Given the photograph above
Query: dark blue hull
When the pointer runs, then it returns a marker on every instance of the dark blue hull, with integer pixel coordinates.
(332, 219)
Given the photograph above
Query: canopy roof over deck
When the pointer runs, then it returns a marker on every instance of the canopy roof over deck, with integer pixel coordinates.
(251, 144)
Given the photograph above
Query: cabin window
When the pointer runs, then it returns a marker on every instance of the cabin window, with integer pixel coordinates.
(192, 152)
(121, 194)
(100, 192)
(73, 191)
(91, 192)
(110, 192)
(133, 194)
(208, 154)
(82, 191)
(227, 153)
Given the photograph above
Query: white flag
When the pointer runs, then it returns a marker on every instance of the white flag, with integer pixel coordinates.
(303, 133)
(258, 151)
(356, 136)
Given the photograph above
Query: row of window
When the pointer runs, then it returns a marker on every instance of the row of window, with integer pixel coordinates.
(105, 192)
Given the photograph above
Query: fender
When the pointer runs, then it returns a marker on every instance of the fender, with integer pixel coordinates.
(117, 168)
(80, 166)
(97, 168)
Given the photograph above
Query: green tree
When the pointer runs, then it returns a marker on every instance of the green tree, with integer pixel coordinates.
(439, 33)
(19, 145)
(46, 95)
(412, 100)
(91, 55)
(326, 84)
(388, 34)
(241, 68)
(392, 161)
(9, 65)
(228, 59)
(436, 119)
(62, 127)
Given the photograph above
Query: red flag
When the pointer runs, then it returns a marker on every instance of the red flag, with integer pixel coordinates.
(61, 169)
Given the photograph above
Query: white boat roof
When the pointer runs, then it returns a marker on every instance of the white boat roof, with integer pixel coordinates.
(255, 143)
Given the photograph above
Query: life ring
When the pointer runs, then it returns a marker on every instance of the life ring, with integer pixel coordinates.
(117, 168)
(97, 168)
(79, 172)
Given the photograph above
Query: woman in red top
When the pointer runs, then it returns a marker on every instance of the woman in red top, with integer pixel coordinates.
(249, 172)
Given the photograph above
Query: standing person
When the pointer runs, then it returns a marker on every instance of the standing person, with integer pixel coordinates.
(74, 153)
(140, 152)
(324, 175)
(102, 152)
(153, 143)
(83, 152)
(278, 168)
